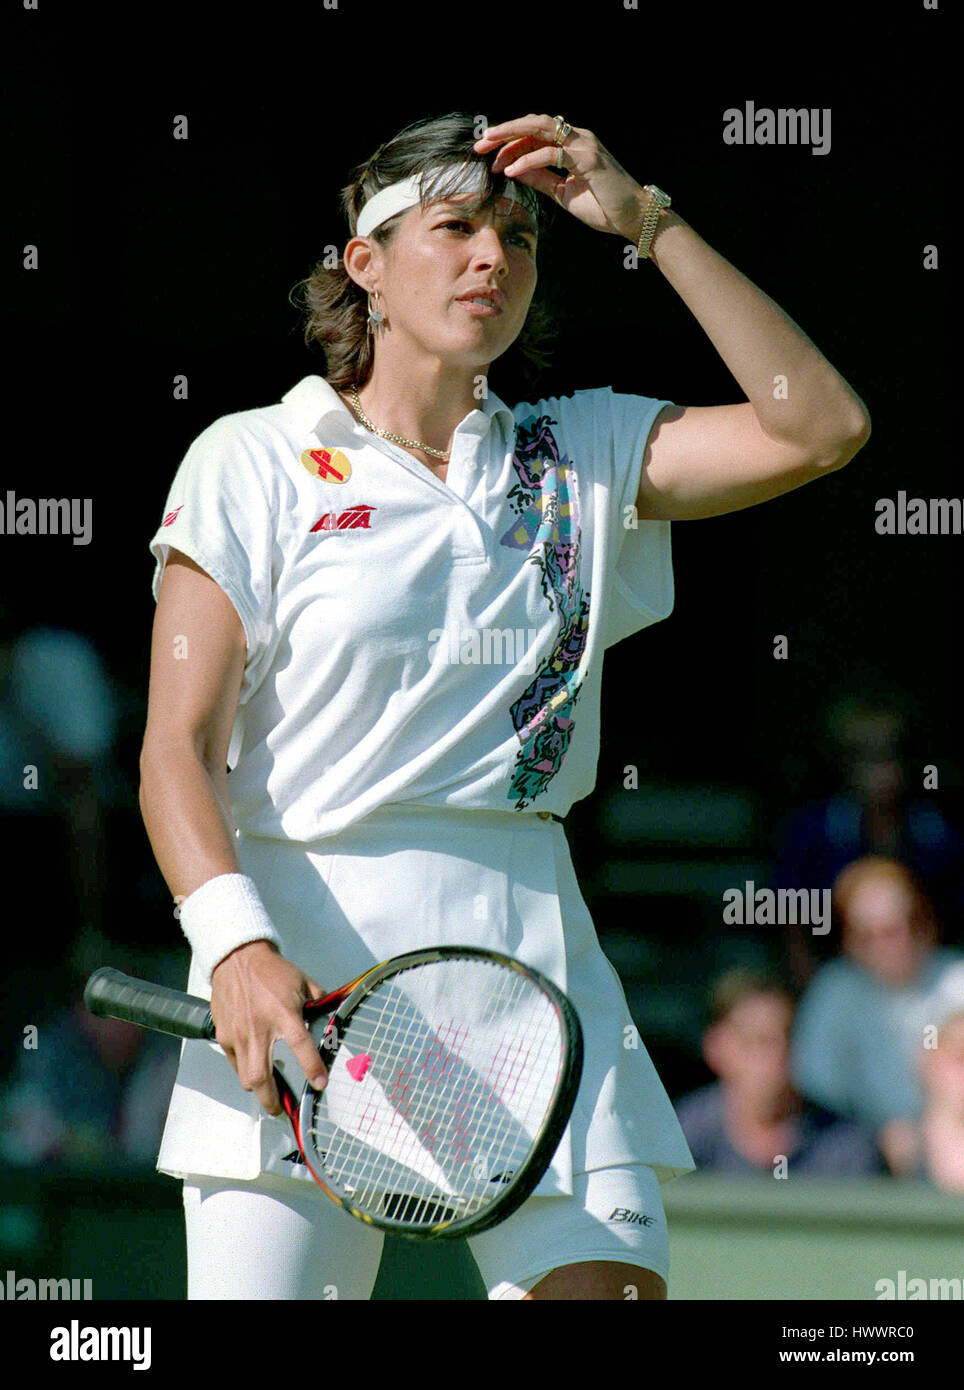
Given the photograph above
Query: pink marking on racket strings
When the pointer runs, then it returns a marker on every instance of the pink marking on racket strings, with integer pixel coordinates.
(463, 1119)
(429, 1136)
(444, 1050)
(358, 1066)
(505, 1068)
(366, 1120)
(403, 1084)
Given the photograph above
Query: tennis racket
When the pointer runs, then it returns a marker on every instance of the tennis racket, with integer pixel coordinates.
(452, 1073)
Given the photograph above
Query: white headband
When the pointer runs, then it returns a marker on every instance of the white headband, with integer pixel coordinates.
(399, 197)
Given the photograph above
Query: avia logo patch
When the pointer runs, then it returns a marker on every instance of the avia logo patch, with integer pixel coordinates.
(354, 519)
(171, 516)
(632, 1218)
(330, 465)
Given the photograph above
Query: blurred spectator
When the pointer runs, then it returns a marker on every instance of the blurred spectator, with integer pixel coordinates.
(59, 715)
(752, 1115)
(933, 1150)
(58, 726)
(941, 1154)
(93, 1089)
(863, 1018)
(876, 813)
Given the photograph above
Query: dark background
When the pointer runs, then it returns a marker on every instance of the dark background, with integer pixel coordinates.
(161, 257)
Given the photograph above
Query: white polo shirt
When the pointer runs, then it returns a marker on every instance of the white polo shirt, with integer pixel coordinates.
(414, 641)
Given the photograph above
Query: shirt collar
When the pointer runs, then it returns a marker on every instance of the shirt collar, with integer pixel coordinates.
(316, 401)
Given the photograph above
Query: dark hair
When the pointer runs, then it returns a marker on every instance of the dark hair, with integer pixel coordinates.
(336, 307)
(732, 987)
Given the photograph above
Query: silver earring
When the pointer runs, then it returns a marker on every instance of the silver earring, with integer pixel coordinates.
(376, 317)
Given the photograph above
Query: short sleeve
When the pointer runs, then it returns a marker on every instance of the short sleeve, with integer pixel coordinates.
(219, 513)
(641, 590)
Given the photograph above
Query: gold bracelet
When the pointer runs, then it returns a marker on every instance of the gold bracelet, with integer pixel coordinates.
(658, 201)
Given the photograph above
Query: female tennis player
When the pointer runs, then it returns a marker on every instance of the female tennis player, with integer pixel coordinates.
(383, 604)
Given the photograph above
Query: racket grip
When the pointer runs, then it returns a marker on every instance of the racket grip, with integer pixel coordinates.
(111, 994)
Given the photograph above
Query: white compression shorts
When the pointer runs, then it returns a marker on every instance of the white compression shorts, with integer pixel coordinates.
(273, 1239)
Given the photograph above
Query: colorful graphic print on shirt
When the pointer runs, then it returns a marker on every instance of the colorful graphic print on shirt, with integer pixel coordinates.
(548, 525)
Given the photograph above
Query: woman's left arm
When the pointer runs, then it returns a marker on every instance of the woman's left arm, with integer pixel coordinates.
(800, 420)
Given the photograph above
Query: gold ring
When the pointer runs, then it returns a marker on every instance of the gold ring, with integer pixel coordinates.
(563, 130)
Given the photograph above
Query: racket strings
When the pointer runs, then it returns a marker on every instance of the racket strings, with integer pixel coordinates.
(471, 1147)
(455, 1066)
(416, 1125)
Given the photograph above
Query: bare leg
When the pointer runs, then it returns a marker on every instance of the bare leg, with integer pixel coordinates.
(599, 1279)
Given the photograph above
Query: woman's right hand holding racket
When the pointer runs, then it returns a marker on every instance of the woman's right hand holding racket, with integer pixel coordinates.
(453, 1072)
(257, 999)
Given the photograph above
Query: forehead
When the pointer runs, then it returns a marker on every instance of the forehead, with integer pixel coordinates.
(506, 209)
(761, 1010)
(877, 898)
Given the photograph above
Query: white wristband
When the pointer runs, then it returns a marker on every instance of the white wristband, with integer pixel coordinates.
(221, 915)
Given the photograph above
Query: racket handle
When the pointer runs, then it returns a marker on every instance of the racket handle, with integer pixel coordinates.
(111, 994)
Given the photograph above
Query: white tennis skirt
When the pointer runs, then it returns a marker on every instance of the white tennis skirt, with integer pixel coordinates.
(405, 877)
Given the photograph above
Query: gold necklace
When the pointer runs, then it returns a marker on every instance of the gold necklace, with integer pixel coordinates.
(387, 434)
